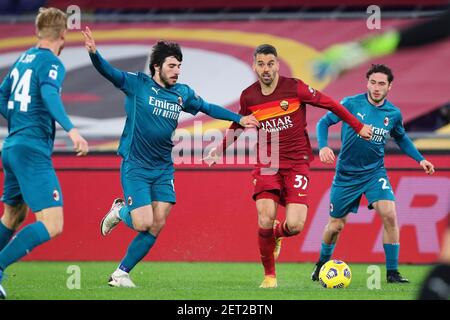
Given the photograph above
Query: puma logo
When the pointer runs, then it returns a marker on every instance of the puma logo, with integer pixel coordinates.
(361, 115)
(156, 90)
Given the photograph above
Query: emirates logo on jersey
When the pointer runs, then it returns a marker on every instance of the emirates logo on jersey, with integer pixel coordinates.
(386, 121)
(56, 195)
(284, 105)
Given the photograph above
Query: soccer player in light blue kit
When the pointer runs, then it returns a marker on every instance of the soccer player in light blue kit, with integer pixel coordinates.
(30, 101)
(153, 105)
(360, 168)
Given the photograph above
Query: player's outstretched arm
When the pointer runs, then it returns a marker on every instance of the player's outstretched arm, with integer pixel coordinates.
(218, 112)
(318, 99)
(231, 135)
(114, 75)
(249, 121)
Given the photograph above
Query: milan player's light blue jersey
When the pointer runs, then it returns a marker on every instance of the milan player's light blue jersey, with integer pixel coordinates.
(152, 114)
(358, 156)
(30, 99)
(152, 117)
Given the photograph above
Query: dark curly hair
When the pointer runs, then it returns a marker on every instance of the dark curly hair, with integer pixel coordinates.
(160, 51)
(381, 68)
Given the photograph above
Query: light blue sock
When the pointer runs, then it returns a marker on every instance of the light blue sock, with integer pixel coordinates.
(391, 251)
(125, 215)
(326, 251)
(27, 239)
(137, 250)
(5, 235)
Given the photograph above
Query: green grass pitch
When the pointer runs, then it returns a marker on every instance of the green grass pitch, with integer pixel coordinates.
(196, 281)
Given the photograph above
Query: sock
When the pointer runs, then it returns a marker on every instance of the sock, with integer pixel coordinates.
(125, 215)
(437, 284)
(27, 239)
(391, 251)
(266, 243)
(5, 235)
(281, 230)
(137, 250)
(326, 251)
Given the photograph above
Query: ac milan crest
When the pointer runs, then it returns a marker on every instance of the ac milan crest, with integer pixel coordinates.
(56, 195)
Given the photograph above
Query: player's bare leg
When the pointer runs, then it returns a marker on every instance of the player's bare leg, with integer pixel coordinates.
(53, 220)
(267, 211)
(142, 218)
(161, 211)
(332, 230)
(391, 239)
(13, 217)
(330, 236)
(295, 221)
(445, 251)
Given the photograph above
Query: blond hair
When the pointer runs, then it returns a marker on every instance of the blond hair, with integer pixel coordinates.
(50, 23)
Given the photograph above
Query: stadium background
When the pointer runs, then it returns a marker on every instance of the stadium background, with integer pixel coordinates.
(215, 218)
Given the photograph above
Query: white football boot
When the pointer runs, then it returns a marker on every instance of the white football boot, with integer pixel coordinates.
(2, 293)
(112, 218)
(121, 279)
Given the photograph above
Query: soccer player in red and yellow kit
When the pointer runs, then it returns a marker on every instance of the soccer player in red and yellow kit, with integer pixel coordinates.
(279, 105)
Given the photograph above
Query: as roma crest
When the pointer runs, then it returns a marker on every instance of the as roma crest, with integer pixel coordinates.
(284, 105)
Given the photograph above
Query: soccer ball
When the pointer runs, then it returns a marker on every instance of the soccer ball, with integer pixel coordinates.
(335, 274)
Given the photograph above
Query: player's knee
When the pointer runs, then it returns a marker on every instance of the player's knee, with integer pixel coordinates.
(21, 215)
(265, 221)
(389, 218)
(142, 225)
(295, 228)
(336, 226)
(157, 226)
(55, 229)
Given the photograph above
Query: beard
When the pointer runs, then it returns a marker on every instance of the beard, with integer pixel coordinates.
(382, 96)
(165, 80)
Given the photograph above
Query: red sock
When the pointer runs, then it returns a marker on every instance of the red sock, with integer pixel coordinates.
(281, 230)
(266, 243)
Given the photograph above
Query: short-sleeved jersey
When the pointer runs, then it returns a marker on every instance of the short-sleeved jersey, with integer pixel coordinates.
(358, 156)
(283, 112)
(152, 117)
(26, 112)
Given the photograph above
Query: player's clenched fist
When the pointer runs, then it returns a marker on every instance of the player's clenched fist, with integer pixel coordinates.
(366, 132)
